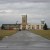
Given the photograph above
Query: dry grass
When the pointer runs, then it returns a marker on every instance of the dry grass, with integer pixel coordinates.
(4, 33)
(43, 33)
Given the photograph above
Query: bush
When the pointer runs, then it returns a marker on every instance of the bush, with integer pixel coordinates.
(2, 27)
(45, 27)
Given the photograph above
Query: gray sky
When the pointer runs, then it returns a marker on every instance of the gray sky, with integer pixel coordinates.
(11, 11)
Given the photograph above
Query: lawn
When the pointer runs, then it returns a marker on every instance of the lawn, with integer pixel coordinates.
(4, 33)
(43, 33)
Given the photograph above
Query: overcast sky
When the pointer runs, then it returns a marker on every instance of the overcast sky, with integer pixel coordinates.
(12, 11)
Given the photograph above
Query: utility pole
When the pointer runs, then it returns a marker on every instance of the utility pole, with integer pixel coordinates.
(16, 25)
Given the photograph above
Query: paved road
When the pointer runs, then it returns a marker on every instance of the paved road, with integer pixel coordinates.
(24, 40)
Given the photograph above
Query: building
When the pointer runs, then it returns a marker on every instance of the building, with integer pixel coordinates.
(24, 22)
(11, 26)
(35, 26)
(24, 25)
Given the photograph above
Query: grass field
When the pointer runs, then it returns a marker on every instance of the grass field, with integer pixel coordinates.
(43, 33)
(4, 33)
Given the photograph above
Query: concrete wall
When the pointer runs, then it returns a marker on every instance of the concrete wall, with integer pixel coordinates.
(34, 26)
(21, 27)
(30, 26)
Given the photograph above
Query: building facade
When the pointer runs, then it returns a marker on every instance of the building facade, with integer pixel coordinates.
(11, 26)
(35, 26)
(24, 22)
(24, 25)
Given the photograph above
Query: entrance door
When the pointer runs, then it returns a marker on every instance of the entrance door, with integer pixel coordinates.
(24, 27)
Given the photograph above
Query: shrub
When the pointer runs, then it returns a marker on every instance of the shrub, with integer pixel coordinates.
(2, 27)
(45, 27)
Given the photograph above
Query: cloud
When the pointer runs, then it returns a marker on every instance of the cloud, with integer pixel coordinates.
(11, 12)
(5, 11)
(14, 1)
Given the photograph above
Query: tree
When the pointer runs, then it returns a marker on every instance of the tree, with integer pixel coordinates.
(45, 26)
(2, 27)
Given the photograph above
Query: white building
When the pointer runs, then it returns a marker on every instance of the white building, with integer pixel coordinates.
(25, 25)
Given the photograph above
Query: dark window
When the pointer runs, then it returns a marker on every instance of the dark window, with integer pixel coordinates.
(37, 26)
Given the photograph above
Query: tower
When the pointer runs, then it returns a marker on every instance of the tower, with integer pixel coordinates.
(24, 21)
(42, 21)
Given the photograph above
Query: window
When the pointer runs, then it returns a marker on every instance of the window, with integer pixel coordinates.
(41, 26)
(37, 26)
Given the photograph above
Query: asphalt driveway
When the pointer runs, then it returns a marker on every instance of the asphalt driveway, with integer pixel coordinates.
(24, 40)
